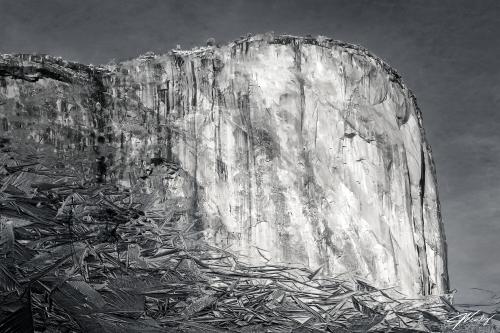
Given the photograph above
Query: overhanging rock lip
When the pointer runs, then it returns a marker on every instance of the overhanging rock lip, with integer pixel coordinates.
(25, 59)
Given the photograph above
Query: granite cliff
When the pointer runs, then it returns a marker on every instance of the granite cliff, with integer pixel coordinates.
(281, 149)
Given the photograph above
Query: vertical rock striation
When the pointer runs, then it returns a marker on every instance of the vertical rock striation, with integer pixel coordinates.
(286, 149)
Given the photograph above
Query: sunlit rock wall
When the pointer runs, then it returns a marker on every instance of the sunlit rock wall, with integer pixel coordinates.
(286, 150)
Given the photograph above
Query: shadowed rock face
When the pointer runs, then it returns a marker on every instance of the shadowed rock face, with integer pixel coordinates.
(286, 149)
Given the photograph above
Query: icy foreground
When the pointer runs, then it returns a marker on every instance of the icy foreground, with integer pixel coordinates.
(283, 149)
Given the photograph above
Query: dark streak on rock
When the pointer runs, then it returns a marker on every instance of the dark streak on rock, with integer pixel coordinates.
(244, 108)
(425, 276)
(298, 67)
(194, 99)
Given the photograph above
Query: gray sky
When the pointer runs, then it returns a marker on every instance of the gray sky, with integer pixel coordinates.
(448, 53)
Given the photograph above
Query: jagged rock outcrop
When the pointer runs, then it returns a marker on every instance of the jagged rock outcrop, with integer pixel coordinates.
(283, 149)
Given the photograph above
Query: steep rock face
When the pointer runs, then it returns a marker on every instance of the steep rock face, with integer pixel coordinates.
(283, 149)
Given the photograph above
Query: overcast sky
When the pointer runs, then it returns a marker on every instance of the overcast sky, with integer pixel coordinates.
(448, 53)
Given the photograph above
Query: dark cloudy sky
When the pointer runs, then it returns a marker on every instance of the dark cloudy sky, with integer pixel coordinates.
(448, 52)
